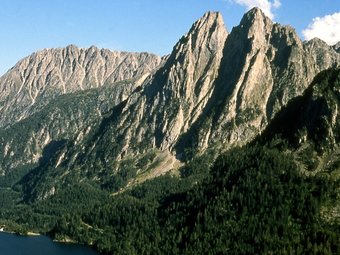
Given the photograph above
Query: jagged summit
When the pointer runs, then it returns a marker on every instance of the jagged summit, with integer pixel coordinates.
(255, 24)
(205, 32)
(255, 11)
(254, 15)
(201, 46)
(209, 19)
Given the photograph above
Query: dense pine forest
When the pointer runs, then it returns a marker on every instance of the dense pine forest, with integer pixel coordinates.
(251, 201)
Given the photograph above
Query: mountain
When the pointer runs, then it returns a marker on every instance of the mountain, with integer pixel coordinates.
(214, 90)
(56, 94)
(37, 79)
(264, 65)
(216, 44)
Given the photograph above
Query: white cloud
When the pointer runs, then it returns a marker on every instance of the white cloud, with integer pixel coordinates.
(267, 6)
(276, 4)
(326, 28)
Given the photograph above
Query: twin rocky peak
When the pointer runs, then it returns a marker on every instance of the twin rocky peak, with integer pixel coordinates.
(215, 89)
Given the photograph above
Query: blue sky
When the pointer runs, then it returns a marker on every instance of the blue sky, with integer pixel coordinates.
(139, 25)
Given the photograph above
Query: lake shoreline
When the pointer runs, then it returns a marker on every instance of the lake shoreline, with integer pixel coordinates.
(28, 234)
(40, 244)
(65, 240)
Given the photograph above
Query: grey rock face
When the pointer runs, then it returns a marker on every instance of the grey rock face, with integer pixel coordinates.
(37, 79)
(176, 96)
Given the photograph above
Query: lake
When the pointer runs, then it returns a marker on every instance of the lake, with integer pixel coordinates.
(11, 244)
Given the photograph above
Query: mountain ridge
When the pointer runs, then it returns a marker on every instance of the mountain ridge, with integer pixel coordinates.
(215, 88)
(48, 73)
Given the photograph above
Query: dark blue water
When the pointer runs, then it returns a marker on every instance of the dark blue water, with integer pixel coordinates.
(39, 245)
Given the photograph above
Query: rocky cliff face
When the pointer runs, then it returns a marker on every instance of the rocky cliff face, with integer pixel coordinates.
(47, 74)
(217, 88)
(214, 88)
(178, 93)
(264, 65)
